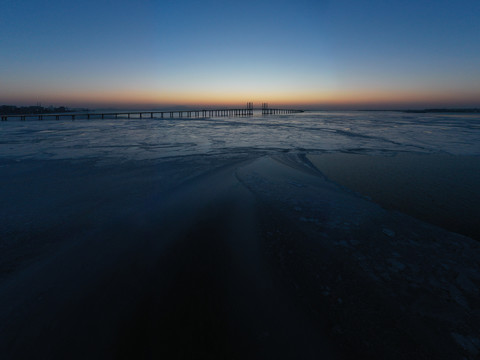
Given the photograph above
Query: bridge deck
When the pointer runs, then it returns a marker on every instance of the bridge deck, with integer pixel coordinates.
(150, 114)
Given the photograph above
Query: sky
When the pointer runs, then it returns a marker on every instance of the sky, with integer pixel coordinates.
(303, 53)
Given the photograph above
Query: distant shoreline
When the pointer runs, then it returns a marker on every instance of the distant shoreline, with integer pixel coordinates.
(26, 110)
(35, 110)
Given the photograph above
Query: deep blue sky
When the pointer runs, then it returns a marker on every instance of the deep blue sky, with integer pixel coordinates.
(319, 53)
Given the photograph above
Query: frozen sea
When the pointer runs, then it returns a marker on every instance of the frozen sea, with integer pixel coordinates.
(314, 132)
(333, 235)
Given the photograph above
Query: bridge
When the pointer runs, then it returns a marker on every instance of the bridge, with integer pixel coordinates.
(172, 114)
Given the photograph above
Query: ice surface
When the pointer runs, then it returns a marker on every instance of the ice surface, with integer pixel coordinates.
(90, 211)
(359, 132)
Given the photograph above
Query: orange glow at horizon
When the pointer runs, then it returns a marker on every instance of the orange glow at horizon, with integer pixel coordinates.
(334, 98)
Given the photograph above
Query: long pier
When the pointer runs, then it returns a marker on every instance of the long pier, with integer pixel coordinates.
(249, 111)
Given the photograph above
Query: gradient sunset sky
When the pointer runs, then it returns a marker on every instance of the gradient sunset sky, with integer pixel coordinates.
(312, 54)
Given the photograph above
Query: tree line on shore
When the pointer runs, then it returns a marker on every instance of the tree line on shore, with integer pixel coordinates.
(37, 109)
